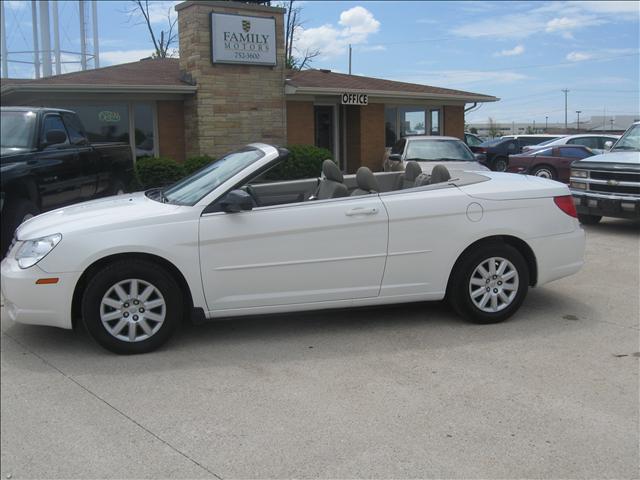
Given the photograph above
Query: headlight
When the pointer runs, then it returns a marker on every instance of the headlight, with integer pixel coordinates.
(578, 185)
(32, 251)
(579, 173)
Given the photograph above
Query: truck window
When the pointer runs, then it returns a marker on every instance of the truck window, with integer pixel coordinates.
(52, 122)
(74, 128)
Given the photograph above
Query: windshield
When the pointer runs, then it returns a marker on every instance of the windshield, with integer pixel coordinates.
(16, 129)
(492, 142)
(439, 150)
(630, 140)
(193, 188)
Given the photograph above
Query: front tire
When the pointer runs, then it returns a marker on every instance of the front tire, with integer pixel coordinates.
(500, 164)
(132, 306)
(489, 284)
(585, 219)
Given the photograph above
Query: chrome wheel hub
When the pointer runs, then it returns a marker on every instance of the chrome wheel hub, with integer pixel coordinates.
(494, 284)
(132, 310)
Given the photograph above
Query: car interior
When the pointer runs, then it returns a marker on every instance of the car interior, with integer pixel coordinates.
(333, 184)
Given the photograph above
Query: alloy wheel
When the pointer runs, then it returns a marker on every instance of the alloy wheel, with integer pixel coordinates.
(493, 285)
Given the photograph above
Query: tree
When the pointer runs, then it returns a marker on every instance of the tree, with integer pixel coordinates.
(494, 131)
(473, 130)
(168, 35)
(295, 59)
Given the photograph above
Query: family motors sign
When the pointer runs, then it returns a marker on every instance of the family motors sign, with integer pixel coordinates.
(355, 98)
(243, 39)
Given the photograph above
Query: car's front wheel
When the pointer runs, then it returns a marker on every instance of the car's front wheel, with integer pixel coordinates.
(132, 306)
(500, 164)
(489, 283)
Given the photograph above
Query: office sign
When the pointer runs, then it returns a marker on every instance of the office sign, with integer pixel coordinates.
(243, 39)
(355, 99)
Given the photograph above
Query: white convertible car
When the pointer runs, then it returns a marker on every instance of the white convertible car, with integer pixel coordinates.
(225, 242)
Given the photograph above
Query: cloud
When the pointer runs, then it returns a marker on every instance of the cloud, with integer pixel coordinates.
(354, 27)
(578, 56)
(158, 11)
(463, 77)
(115, 57)
(568, 24)
(16, 4)
(517, 50)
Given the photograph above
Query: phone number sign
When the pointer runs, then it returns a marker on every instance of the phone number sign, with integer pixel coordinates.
(243, 39)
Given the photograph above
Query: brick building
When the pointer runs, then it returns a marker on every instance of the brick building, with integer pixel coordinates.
(208, 102)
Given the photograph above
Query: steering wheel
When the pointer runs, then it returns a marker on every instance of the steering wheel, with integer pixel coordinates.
(252, 193)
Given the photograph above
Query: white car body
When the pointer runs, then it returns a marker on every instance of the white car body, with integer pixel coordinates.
(580, 139)
(393, 247)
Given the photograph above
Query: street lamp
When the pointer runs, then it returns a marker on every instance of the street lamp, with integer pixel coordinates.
(578, 112)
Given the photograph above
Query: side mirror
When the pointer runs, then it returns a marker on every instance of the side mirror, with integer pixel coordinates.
(395, 157)
(236, 201)
(608, 144)
(55, 137)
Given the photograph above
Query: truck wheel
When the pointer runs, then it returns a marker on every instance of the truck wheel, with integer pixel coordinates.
(585, 219)
(489, 283)
(14, 213)
(500, 164)
(132, 306)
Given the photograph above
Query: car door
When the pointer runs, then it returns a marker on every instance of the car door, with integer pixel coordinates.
(87, 156)
(56, 168)
(300, 253)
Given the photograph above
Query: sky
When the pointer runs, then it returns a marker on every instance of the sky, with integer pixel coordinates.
(525, 53)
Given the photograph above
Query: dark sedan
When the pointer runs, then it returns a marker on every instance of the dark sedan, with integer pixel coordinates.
(495, 153)
(553, 162)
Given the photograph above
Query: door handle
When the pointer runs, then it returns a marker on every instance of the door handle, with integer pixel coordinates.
(361, 211)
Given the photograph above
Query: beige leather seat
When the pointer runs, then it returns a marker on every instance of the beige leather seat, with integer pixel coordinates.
(330, 185)
(366, 181)
(439, 174)
(408, 178)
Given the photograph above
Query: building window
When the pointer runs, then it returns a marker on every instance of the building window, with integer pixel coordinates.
(435, 122)
(143, 125)
(104, 123)
(412, 121)
(390, 126)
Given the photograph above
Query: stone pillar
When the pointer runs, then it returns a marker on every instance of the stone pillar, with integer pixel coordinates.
(235, 104)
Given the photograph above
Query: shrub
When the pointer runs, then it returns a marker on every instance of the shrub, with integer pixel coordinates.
(305, 161)
(158, 171)
(192, 164)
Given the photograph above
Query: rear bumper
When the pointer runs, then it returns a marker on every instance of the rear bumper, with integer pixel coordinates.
(29, 303)
(559, 256)
(605, 205)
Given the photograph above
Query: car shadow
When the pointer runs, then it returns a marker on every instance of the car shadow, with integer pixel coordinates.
(614, 226)
(277, 339)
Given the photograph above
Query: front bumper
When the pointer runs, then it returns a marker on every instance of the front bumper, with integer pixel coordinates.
(30, 303)
(606, 205)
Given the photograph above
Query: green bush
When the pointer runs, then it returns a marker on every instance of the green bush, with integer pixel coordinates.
(305, 161)
(192, 164)
(158, 171)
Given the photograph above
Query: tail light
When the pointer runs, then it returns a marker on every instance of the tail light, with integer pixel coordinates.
(565, 203)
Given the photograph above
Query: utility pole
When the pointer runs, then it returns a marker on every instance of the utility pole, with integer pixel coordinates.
(56, 38)
(611, 122)
(83, 35)
(94, 30)
(34, 28)
(546, 123)
(534, 127)
(566, 91)
(578, 112)
(45, 36)
(349, 59)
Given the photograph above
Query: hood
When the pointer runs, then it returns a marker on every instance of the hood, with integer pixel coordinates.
(108, 213)
(511, 186)
(470, 166)
(629, 159)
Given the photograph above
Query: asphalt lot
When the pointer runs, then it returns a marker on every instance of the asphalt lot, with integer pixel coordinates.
(408, 391)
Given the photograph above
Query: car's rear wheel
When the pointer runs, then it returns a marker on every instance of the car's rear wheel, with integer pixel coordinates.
(14, 213)
(589, 219)
(489, 283)
(132, 306)
(544, 171)
(500, 164)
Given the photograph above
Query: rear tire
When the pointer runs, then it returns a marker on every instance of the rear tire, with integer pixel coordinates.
(507, 282)
(132, 306)
(545, 171)
(13, 214)
(585, 219)
(500, 164)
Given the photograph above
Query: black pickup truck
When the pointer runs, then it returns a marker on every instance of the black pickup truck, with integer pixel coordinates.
(47, 162)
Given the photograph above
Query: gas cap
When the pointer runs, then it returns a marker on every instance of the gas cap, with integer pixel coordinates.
(474, 212)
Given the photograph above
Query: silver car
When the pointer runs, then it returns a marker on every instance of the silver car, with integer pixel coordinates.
(429, 151)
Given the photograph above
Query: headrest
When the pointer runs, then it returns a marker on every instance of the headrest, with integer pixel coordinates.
(412, 170)
(331, 171)
(439, 174)
(366, 180)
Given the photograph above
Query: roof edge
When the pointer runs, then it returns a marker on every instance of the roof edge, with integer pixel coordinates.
(229, 4)
(84, 87)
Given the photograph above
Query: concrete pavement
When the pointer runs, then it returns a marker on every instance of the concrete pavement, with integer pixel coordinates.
(406, 391)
